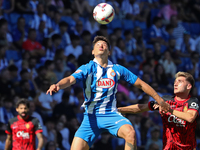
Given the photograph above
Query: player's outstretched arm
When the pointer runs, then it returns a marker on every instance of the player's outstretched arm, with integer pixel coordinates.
(150, 91)
(40, 141)
(64, 83)
(8, 142)
(137, 108)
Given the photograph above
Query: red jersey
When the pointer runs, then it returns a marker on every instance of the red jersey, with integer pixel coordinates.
(31, 45)
(23, 132)
(179, 134)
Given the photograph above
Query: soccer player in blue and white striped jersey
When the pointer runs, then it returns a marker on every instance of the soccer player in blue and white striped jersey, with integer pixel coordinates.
(100, 78)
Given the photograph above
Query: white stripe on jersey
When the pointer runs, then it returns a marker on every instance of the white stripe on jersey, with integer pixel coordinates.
(99, 90)
(102, 108)
(88, 88)
(91, 107)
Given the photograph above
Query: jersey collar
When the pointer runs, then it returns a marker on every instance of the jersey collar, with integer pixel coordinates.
(110, 64)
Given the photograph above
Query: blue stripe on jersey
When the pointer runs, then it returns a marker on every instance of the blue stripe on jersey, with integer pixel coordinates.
(100, 85)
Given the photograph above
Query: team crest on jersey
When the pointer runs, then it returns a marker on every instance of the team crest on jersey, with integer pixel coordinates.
(106, 83)
(27, 126)
(78, 71)
(185, 109)
(112, 73)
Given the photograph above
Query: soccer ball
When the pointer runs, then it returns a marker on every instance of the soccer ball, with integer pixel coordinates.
(103, 13)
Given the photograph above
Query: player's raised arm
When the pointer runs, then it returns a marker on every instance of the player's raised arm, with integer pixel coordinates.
(40, 141)
(8, 142)
(64, 83)
(150, 91)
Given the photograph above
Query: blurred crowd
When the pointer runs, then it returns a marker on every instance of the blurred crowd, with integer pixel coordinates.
(43, 41)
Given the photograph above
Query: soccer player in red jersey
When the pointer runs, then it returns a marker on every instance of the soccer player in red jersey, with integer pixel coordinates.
(179, 123)
(21, 130)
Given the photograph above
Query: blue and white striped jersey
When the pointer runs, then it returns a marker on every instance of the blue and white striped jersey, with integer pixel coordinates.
(100, 85)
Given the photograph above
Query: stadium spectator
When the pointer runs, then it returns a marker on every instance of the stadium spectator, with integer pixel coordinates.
(185, 45)
(23, 7)
(105, 142)
(19, 33)
(168, 64)
(86, 56)
(178, 28)
(155, 34)
(65, 135)
(155, 138)
(33, 113)
(38, 17)
(41, 32)
(50, 74)
(6, 87)
(41, 75)
(7, 111)
(167, 32)
(55, 22)
(56, 40)
(32, 45)
(64, 107)
(86, 38)
(25, 90)
(168, 10)
(130, 9)
(75, 47)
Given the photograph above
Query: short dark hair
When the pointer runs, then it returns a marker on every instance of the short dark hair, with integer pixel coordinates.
(23, 71)
(63, 23)
(168, 27)
(55, 37)
(12, 68)
(22, 101)
(101, 38)
(156, 19)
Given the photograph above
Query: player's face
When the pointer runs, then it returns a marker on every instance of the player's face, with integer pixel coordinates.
(22, 110)
(100, 48)
(181, 85)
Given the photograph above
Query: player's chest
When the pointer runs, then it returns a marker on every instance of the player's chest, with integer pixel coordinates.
(172, 119)
(105, 79)
(22, 129)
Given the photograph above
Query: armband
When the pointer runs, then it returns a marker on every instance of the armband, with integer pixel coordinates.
(150, 105)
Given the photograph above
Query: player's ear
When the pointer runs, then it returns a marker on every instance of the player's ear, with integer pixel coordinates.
(92, 52)
(189, 86)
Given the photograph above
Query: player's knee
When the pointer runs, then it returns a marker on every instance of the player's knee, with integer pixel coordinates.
(130, 136)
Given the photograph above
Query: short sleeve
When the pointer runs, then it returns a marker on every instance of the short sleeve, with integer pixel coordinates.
(38, 127)
(127, 75)
(80, 73)
(193, 104)
(8, 129)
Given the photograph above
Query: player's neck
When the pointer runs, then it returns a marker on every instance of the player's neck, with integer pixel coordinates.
(102, 61)
(182, 96)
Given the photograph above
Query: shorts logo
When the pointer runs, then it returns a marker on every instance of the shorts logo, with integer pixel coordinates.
(27, 126)
(112, 73)
(106, 83)
(23, 134)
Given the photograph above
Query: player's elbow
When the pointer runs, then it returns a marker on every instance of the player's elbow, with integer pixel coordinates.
(190, 119)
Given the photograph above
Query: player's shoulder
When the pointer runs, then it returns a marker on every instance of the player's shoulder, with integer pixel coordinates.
(33, 119)
(193, 99)
(12, 120)
(193, 103)
(168, 97)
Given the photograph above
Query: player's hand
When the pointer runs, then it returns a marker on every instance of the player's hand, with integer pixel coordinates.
(38, 149)
(165, 106)
(53, 88)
